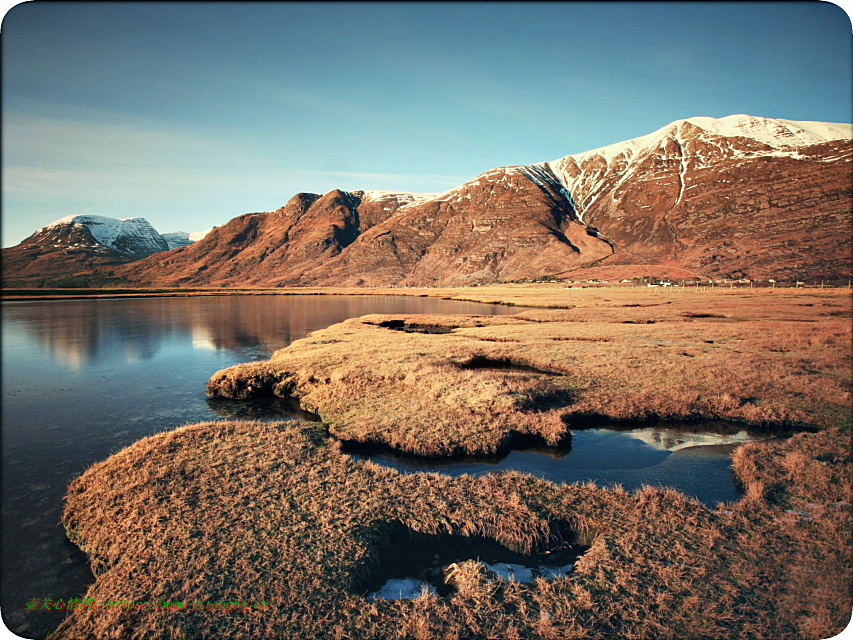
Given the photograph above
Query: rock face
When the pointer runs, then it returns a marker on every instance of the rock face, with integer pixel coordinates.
(739, 196)
(733, 197)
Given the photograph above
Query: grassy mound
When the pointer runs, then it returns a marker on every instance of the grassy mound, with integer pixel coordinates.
(274, 516)
(436, 385)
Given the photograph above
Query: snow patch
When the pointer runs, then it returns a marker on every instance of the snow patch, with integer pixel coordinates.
(399, 196)
(195, 236)
(400, 589)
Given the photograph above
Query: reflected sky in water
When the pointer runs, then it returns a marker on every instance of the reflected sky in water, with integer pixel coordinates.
(85, 378)
(695, 459)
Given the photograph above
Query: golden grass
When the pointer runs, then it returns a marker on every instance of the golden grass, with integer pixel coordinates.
(547, 295)
(274, 513)
(764, 358)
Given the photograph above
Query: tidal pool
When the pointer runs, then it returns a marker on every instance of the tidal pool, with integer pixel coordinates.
(694, 458)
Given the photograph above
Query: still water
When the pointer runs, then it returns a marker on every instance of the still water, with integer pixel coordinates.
(694, 458)
(85, 378)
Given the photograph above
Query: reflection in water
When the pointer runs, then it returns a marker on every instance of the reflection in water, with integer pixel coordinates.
(694, 459)
(674, 439)
(85, 378)
(139, 328)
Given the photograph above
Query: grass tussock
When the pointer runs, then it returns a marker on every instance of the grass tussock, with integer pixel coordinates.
(274, 513)
(436, 385)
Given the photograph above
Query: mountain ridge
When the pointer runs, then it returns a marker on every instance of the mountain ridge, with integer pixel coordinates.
(740, 196)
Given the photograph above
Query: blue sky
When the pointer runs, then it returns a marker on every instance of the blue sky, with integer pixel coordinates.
(189, 114)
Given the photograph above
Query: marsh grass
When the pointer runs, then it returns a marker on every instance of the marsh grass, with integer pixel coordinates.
(468, 381)
(275, 513)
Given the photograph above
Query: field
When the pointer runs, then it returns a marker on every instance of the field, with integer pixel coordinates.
(274, 514)
(435, 385)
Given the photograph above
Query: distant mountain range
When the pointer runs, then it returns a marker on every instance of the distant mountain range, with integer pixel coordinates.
(182, 238)
(740, 196)
(81, 243)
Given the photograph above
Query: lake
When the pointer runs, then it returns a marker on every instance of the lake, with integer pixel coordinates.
(83, 379)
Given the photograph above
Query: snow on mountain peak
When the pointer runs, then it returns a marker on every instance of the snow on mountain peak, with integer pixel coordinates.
(134, 236)
(195, 236)
(774, 132)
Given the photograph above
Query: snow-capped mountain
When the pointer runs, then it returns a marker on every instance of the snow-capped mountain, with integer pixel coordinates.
(176, 239)
(129, 236)
(78, 243)
(739, 196)
(182, 238)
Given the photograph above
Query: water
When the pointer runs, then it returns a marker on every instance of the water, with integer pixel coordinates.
(411, 561)
(693, 458)
(84, 378)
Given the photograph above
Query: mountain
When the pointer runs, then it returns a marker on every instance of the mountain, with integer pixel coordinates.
(740, 196)
(176, 239)
(493, 227)
(133, 237)
(182, 238)
(76, 244)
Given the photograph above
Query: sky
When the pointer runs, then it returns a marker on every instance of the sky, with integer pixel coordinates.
(188, 114)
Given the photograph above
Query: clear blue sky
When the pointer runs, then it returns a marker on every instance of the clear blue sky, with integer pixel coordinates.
(188, 114)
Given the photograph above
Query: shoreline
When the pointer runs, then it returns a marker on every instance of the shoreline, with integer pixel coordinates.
(174, 502)
(512, 295)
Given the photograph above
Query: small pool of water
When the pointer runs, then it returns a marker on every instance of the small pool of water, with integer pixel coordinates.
(412, 562)
(694, 458)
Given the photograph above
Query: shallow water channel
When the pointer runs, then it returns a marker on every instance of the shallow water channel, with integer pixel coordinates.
(693, 457)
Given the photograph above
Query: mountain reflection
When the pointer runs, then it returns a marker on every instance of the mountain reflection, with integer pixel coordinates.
(80, 333)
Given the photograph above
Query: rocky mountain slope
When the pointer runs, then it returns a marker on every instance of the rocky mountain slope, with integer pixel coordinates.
(77, 244)
(497, 226)
(740, 196)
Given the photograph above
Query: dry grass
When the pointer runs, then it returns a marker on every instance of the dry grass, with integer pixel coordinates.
(274, 512)
(764, 358)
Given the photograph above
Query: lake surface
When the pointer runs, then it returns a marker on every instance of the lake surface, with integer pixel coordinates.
(83, 379)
